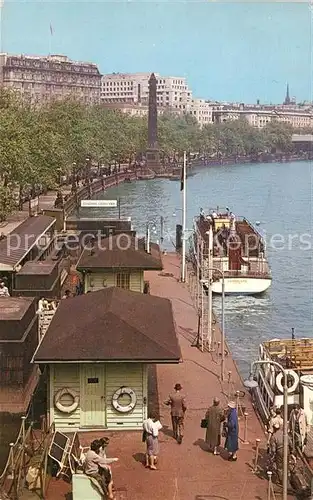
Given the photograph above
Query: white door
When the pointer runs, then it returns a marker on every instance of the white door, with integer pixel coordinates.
(93, 396)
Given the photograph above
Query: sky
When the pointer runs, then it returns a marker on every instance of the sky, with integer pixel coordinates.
(230, 51)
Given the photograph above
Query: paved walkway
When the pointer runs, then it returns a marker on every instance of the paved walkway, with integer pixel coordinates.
(187, 471)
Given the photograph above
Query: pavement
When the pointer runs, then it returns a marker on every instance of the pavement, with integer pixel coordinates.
(187, 471)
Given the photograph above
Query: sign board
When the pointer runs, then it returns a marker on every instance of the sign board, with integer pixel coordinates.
(98, 203)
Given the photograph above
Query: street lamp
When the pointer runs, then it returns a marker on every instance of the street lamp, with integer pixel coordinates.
(251, 384)
(215, 269)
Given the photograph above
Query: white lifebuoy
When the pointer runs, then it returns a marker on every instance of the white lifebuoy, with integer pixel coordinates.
(60, 394)
(120, 392)
(294, 385)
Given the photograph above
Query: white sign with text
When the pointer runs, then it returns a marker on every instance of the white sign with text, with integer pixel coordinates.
(98, 203)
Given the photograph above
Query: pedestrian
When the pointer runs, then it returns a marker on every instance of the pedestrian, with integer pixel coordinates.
(4, 291)
(232, 431)
(275, 418)
(298, 427)
(177, 402)
(276, 449)
(67, 294)
(151, 428)
(214, 417)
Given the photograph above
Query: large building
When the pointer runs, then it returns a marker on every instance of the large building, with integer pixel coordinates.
(133, 88)
(40, 79)
(129, 92)
(259, 115)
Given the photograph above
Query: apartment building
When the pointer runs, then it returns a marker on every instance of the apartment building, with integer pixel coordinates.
(259, 115)
(201, 110)
(40, 79)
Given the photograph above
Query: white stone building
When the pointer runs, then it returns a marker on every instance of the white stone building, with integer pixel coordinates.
(40, 79)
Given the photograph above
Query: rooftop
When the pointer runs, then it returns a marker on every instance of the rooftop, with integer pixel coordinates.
(38, 268)
(18, 243)
(121, 251)
(14, 308)
(111, 325)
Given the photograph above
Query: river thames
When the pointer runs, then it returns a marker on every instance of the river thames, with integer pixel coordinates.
(279, 197)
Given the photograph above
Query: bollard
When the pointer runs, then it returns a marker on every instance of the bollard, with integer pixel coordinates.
(229, 384)
(237, 393)
(256, 459)
(269, 491)
(245, 435)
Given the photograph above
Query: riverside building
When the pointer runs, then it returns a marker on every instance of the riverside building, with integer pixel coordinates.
(129, 92)
(40, 79)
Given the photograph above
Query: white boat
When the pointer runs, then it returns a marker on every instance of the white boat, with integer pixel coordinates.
(237, 254)
(294, 355)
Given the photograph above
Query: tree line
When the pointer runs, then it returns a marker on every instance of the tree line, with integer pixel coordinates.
(41, 145)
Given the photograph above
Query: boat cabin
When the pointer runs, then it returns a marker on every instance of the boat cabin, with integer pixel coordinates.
(97, 349)
(296, 356)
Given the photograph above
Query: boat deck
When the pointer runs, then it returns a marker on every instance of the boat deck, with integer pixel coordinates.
(296, 354)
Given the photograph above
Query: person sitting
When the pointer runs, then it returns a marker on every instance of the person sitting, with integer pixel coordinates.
(95, 466)
(4, 291)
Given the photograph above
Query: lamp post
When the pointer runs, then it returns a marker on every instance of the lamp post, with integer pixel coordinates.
(250, 384)
(221, 273)
(184, 206)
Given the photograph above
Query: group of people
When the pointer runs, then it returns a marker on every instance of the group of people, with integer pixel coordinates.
(96, 464)
(297, 434)
(217, 422)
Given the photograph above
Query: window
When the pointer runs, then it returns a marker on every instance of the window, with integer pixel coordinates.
(123, 280)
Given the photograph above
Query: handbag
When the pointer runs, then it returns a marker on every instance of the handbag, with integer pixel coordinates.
(204, 423)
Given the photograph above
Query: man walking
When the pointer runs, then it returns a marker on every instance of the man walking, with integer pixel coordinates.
(178, 406)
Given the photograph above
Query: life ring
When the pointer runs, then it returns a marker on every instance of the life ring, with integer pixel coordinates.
(60, 394)
(120, 392)
(294, 385)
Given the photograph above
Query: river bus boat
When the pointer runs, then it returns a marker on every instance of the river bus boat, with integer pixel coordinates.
(237, 253)
(296, 357)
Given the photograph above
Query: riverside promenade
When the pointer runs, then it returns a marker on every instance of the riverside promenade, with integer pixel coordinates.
(186, 471)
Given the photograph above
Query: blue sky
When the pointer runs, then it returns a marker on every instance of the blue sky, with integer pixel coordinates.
(228, 51)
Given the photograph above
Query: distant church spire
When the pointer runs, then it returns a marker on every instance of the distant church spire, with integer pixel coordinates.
(287, 98)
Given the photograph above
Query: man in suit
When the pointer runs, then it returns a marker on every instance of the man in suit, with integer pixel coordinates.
(177, 402)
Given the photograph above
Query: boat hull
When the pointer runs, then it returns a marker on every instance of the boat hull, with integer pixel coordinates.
(242, 286)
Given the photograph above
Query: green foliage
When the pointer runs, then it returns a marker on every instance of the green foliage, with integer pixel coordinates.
(39, 145)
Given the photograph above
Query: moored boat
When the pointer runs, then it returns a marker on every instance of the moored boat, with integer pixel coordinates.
(237, 253)
(296, 357)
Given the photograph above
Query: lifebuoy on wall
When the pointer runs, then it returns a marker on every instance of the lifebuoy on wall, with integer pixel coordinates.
(120, 392)
(63, 408)
(295, 384)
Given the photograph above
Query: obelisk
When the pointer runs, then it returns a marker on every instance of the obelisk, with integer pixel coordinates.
(153, 154)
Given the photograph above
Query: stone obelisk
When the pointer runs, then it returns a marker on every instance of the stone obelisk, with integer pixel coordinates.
(153, 154)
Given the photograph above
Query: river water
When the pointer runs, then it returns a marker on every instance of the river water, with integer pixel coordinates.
(279, 197)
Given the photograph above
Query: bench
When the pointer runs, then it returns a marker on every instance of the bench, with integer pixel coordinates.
(86, 488)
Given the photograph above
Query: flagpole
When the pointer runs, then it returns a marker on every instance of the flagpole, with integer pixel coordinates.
(183, 265)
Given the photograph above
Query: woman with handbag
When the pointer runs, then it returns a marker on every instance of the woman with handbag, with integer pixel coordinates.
(213, 420)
